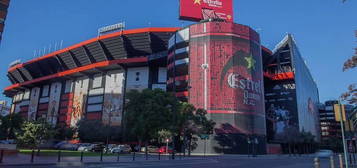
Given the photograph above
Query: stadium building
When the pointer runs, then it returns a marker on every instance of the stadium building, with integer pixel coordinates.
(216, 65)
(291, 94)
(90, 79)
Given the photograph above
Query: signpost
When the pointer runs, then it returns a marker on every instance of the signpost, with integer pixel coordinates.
(204, 137)
(111, 28)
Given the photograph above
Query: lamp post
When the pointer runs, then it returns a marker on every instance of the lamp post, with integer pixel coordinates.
(167, 145)
(172, 107)
(109, 123)
(343, 133)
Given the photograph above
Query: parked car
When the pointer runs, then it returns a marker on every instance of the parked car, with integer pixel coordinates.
(59, 144)
(163, 149)
(109, 147)
(137, 148)
(85, 147)
(151, 149)
(121, 149)
(324, 153)
(69, 146)
(98, 147)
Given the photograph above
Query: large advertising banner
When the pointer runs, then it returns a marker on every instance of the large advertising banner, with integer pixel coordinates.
(79, 99)
(197, 10)
(226, 79)
(113, 98)
(281, 110)
(54, 100)
(34, 99)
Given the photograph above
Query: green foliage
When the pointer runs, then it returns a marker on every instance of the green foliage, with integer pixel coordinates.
(148, 112)
(163, 135)
(9, 125)
(65, 133)
(96, 131)
(34, 133)
(155, 114)
(92, 131)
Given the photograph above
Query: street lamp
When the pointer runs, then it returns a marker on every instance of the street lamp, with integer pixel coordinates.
(343, 132)
(167, 145)
(172, 107)
(109, 123)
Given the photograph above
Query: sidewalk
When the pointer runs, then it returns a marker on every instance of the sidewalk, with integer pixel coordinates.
(23, 160)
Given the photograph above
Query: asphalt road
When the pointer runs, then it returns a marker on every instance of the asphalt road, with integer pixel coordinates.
(227, 161)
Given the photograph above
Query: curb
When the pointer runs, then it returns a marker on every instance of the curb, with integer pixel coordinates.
(83, 163)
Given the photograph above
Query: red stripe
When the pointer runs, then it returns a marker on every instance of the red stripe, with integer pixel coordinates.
(126, 32)
(267, 50)
(79, 69)
(178, 78)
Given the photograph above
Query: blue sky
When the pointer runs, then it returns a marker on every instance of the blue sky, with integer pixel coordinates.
(323, 29)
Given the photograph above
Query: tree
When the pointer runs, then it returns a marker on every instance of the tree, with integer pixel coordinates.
(148, 112)
(164, 135)
(65, 133)
(191, 122)
(9, 125)
(351, 95)
(92, 131)
(34, 133)
(152, 114)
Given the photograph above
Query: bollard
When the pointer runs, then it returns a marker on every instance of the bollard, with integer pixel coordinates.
(340, 160)
(316, 163)
(134, 156)
(118, 156)
(32, 155)
(82, 156)
(59, 156)
(146, 156)
(332, 162)
(1, 155)
(159, 155)
(101, 155)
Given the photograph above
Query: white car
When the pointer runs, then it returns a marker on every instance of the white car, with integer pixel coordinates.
(121, 149)
(324, 153)
(86, 147)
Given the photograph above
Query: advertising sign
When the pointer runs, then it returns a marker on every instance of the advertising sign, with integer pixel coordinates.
(34, 98)
(226, 76)
(113, 98)
(197, 10)
(53, 106)
(79, 99)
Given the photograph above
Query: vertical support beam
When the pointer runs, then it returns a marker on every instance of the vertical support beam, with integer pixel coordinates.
(88, 54)
(105, 51)
(61, 62)
(78, 64)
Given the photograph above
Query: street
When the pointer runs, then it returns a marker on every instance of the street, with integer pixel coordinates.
(226, 161)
